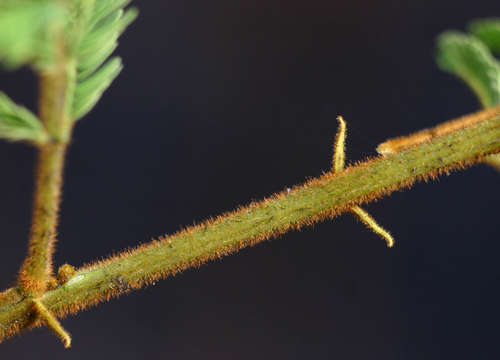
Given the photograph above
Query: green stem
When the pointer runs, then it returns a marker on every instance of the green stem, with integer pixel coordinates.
(56, 94)
(318, 199)
(37, 266)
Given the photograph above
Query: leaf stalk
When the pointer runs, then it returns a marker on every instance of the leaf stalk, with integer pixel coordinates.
(55, 98)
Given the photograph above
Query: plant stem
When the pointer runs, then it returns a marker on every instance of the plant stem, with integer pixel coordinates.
(318, 199)
(56, 93)
(493, 160)
(37, 266)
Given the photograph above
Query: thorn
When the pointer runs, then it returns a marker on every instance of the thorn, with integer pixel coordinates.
(51, 322)
(338, 165)
(339, 146)
(372, 224)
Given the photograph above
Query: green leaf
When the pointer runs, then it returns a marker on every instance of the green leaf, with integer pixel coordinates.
(26, 32)
(468, 58)
(107, 21)
(488, 31)
(103, 8)
(100, 42)
(89, 91)
(90, 64)
(18, 123)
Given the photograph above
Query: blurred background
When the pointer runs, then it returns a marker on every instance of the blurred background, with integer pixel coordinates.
(222, 102)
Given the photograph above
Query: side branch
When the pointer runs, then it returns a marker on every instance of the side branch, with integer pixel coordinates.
(37, 266)
(55, 97)
(318, 199)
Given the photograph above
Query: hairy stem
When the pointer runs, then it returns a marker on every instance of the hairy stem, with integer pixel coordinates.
(37, 266)
(56, 93)
(318, 199)
(493, 160)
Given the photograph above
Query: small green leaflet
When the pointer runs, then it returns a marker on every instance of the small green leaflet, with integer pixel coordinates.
(18, 123)
(488, 31)
(26, 36)
(108, 20)
(468, 58)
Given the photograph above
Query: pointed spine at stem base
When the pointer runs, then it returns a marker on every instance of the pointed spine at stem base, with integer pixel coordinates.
(338, 160)
(52, 323)
(372, 224)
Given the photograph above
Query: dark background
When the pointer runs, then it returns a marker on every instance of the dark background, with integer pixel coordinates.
(226, 101)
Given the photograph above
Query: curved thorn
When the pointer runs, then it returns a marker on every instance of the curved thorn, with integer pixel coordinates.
(372, 224)
(52, 323)
(339, 146)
